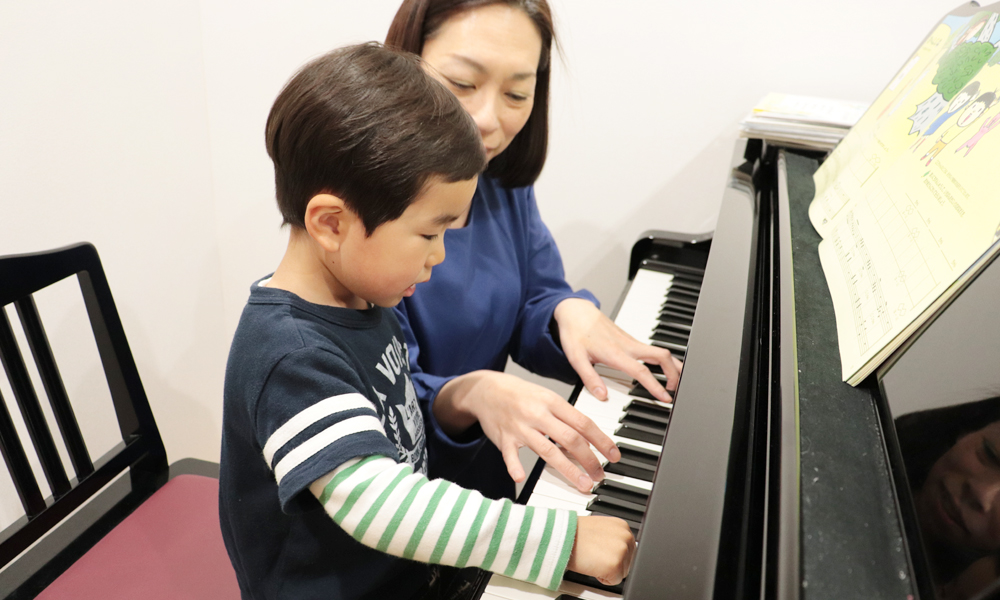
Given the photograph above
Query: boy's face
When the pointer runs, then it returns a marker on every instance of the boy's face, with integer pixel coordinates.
(385, 267)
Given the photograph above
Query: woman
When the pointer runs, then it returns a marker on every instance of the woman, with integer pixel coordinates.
(502, 290)
(952, 460)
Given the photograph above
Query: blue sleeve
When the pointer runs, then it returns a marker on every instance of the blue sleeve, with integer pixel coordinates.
(532, 345)
(443, 451)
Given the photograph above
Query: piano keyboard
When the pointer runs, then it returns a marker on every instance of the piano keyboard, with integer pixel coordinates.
(658, 309)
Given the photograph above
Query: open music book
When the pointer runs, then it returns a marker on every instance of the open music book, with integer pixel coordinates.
(908, 204)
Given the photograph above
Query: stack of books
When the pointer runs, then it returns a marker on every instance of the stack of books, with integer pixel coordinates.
(801, 121)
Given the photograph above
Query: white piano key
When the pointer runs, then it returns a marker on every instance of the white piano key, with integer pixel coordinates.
(488, 596)
(584, 592)
(512, 589)
(547, 502)
(639, 483)
(550, 483)
(591, 406)
(617, 439)
(641, 307)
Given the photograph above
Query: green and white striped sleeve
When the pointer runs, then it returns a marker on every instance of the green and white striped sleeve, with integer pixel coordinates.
(385, 505)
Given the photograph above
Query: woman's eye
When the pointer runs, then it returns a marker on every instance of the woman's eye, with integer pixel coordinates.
(461, 85)
(430, 238)
(991, 453)
(517, 97)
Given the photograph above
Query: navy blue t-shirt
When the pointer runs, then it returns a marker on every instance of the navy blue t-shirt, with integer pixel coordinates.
(307, 388)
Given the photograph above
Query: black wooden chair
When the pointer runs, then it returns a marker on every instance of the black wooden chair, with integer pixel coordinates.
(122, 525)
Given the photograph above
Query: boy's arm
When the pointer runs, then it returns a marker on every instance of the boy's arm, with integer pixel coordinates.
(386, 506)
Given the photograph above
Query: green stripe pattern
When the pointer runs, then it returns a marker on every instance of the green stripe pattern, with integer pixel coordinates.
(385, 505)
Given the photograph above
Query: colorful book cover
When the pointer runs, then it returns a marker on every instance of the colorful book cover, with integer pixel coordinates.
(908, 204)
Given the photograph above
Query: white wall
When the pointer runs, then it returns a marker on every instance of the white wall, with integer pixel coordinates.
(139, 127)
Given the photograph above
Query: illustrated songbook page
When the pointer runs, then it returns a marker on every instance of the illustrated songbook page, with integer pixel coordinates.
(908, 204)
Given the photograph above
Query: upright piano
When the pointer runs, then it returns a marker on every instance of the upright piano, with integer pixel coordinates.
(768, 477)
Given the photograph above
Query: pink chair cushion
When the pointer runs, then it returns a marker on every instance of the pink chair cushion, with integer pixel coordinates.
(169, 548)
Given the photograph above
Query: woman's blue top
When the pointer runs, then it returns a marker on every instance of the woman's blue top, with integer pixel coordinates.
(491, 298)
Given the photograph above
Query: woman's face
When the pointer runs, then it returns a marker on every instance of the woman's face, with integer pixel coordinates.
(959, 502)
(488, 57)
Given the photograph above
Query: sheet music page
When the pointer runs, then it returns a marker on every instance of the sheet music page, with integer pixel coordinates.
(909, 200)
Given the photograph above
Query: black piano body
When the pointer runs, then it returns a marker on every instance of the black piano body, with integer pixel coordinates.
(776, 479)
(779, 469)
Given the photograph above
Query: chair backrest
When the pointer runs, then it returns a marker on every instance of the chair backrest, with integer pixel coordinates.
(141, 450)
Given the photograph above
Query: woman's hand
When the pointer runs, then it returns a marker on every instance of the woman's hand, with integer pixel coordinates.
(515, 413)
(588, 337)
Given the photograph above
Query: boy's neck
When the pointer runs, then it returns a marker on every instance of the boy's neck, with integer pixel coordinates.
(303, 271)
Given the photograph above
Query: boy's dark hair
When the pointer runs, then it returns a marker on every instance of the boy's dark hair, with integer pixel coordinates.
(418, 20)
(368, 125)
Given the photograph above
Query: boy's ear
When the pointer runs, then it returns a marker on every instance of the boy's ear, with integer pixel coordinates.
(328, 219)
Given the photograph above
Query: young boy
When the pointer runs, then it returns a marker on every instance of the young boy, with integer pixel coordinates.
(323, 490)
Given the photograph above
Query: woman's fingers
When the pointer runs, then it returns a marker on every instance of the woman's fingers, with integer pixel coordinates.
(591, 380)
(586, 433)
(513, 461)
(555, 458)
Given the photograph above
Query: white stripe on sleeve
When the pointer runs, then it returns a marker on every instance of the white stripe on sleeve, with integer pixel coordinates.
(331, 434)
(297, 424)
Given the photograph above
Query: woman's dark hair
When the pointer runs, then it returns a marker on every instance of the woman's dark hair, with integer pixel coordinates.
(522, 161)
(926, 435)
(370, 126)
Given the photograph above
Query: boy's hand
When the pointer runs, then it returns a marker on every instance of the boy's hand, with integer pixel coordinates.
(603, 548)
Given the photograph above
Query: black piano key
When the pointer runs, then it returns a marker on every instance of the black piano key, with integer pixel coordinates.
(631, 433)
(642, 424)
(657, 376)
(647, 457)
(670, 337)
(675, 327)
(686, 285)
(566, 597)
(676, 308)
(675, 349)
(688, 279)
(654, 368)
(681, 299)
(639, 462)
(639, 507)
(617, 489)
(669, 315)
(632, 517)
(656, 405)
(632, 471)
(676, 269)
(589, 581)
(683, 292)
(648, 412)
(640, 391)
